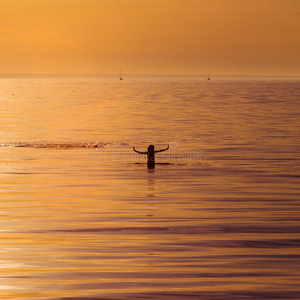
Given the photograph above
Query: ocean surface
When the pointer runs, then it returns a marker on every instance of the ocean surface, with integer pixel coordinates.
(81, 216)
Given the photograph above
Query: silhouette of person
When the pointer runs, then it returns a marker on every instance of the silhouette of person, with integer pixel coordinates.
(151, 155)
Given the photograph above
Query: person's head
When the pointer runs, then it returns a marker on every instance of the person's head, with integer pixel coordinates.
(151, 148)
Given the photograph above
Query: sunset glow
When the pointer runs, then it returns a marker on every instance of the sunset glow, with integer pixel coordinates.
(249, 37)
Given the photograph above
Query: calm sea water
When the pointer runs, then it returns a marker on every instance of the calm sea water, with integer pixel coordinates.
(83, 218)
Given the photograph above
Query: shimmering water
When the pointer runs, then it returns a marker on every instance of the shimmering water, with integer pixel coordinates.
(83, 218)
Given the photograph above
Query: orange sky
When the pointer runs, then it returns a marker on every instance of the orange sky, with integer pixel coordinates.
(250, 37)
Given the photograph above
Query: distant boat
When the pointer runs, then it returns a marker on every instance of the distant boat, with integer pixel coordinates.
(121, 78)
(208, 76)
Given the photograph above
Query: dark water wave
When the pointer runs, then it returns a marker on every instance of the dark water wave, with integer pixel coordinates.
(201, 230)
(205, 295)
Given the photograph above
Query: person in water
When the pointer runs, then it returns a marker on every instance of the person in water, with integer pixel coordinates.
(151, 155)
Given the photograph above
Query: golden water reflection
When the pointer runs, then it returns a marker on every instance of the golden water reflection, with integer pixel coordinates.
(75, 223)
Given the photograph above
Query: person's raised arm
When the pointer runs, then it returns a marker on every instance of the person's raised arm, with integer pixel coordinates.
(139, 152)
(162, 150)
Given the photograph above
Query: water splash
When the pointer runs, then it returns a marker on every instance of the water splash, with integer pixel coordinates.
(55, 145)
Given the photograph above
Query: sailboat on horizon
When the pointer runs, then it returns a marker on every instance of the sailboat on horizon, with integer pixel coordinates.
(208, 75)
(121, 78)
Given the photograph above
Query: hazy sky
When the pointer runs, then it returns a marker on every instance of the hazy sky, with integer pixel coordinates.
(150, 36)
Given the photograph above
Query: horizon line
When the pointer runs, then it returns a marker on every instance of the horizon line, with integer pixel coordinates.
(140, 74)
